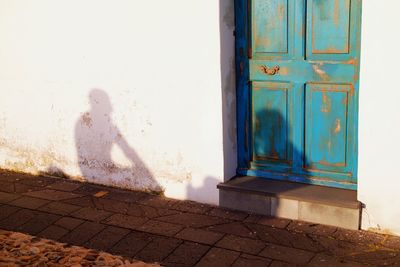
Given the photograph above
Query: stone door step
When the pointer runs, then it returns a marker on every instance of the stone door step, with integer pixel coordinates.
(310, 203)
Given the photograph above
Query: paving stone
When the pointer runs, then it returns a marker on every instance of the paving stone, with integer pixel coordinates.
(51, 194)
(9, 176)
(131, 244)
(282, 264)
(311, 228)
(69, 223)
(291, 255)
(158, 249)
(303, 241)
(6, 187)
(235, 228)
(17, 219)
(148, 211)
(330, 261)
(191, 206)
(59, 208)
(374, 256)
(7, 197)
(228, 214)
(241, 244)
(82, 233)
(268, 221)
(157, 201)
(111, 205)
(85, 201)
(38, 223)
(187, 254)
(161, 228)
(64, 186)
(125, 221)
(358, 236)
(380, 258)
(339, 248)
(38, 181)
(92, 189)
(53, 232)
(107, 238)
(218, 257)
(29, 202)
(286, 238)
(6, 211)
(392, 242)
(192, 220)
(91, 214)
(250, 260)
(125, 196)
(131, 208)
(199, 236)
(271, 235)
(23, 188)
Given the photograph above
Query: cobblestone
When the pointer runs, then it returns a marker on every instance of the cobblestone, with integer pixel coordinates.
(19, 249)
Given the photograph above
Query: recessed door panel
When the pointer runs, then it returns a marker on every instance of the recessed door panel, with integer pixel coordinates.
(333, 29)
(327, 122)
(272, 26)
(271, 122)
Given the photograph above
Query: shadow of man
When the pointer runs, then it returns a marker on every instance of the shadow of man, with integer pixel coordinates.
(95, 136)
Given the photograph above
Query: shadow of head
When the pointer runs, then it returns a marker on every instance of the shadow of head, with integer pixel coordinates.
(99, 101)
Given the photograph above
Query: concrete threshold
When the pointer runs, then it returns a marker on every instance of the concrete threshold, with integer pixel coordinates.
(311, 203)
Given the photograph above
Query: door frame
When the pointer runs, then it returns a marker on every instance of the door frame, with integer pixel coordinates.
(243, 108)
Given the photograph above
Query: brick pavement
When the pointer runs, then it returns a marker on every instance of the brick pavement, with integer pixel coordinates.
(153, 228)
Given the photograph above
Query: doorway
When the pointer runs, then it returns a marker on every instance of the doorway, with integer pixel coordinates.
(297, 69)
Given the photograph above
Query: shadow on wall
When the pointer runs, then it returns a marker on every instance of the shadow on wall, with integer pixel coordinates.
(205, 192)
(95, 136)
(227, 59)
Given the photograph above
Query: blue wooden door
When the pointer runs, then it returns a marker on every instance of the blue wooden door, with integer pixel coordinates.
(297, 87)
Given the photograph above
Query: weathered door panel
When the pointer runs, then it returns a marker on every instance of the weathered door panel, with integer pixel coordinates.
(329, 127)
(272, 24)
(328, 27)
(272, 117)
(298, 89)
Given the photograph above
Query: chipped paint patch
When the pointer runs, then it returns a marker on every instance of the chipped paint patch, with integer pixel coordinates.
(337, 127)
(326, 103)
(87, 119)
(321, 73)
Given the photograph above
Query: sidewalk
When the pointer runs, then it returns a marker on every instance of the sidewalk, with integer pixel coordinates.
(153, 228)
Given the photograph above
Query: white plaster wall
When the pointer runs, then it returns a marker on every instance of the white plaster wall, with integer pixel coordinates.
(379, 125)
(128, 93)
